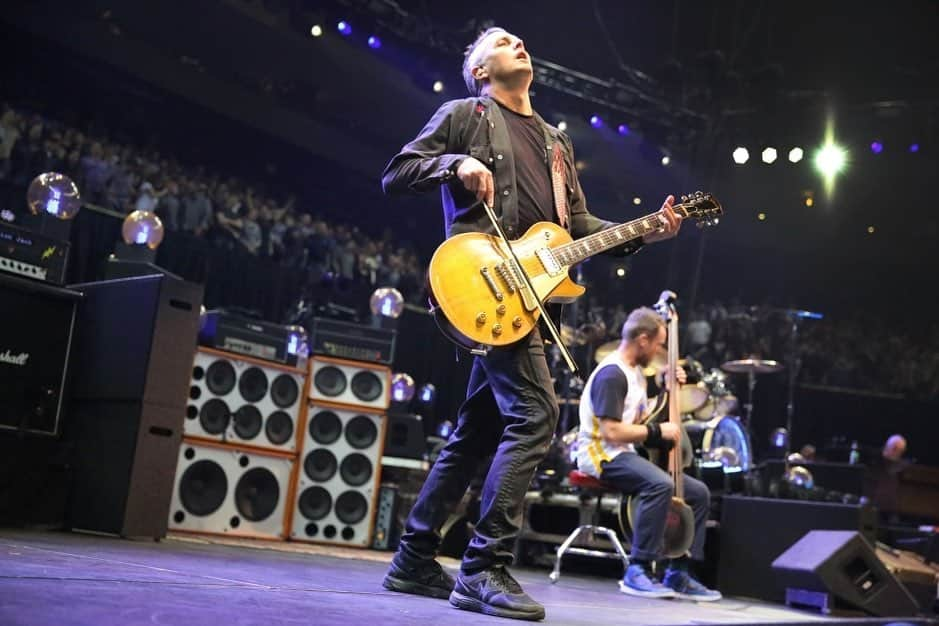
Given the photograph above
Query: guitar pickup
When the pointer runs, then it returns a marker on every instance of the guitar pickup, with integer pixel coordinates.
(548, 261)
(484, 272)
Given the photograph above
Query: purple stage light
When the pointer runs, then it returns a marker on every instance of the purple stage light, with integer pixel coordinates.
(877, 147)
(344, 27)
(623, 129)
(914, 147)
(596, 121)
(374, 42)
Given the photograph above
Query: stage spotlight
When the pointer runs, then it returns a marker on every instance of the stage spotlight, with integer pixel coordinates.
(622, 129)
(637, 200)
(871, 230)
(741, 155)
(316, 30)
(596, 121)
(387, 302)
(914, 147)
(830, 160)
(877, 147)
(795, 155)
(666, 160)
(562, 126)
(402, 387)
(621, 272)
(438, 86)
(769, 155)
(374, 42)
(761, 217)
(344, 28)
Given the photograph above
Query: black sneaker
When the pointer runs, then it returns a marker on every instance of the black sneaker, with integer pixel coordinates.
(494, 592)
(424, 579)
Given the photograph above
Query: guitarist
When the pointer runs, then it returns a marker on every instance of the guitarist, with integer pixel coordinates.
(492, 147)
(613, 400)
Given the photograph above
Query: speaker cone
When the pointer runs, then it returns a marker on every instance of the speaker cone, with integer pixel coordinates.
(202, 487)
(253, 384)
(351, 507)
(220, 378)
(279, 428)
(248, 421)
(330, 381)
(257, 494)
(325, 428)
(320, 465)
(214, 416)
(356, 469)
(284, 391)
(366, 386)
(361, 432)
(315, 503)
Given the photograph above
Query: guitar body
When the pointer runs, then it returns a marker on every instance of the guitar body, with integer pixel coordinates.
(478, 297)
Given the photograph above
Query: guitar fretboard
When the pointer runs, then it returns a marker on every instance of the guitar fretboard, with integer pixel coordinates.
(578, 250)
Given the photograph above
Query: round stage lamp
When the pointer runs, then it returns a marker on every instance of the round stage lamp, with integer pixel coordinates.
(387, 301)
(142, 228)
(779, 439)
(297, 342)
(800, 478)
(55, 194)
(402, 387)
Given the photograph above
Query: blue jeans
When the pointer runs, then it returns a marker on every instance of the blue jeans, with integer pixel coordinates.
(635, 476)
(511, 410)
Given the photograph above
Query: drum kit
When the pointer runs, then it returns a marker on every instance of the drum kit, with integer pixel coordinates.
(716, 431)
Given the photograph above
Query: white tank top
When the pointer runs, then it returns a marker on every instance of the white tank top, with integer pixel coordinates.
(591, 448)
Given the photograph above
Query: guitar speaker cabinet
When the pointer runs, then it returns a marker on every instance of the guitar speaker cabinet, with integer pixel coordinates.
(243, 401)
(338, 476)
(351, 383)
(225, 490)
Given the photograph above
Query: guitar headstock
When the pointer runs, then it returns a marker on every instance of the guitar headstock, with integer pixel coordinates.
(700, 206)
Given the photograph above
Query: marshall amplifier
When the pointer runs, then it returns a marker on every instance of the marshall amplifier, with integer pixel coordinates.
(261, 340)
(35, 343)
(352, 341)
(32, 255)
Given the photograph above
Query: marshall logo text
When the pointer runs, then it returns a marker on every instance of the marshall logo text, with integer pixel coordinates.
(14, 359)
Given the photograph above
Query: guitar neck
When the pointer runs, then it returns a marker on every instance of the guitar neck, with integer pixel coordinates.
(586, 247)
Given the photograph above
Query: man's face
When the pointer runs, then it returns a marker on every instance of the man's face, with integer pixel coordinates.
(503, 58)
(648, 347)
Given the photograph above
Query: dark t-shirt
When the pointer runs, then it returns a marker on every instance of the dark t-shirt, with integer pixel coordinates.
(535, 196)
(608, 392)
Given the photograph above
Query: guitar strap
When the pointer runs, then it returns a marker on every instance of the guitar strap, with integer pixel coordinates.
(558, 183)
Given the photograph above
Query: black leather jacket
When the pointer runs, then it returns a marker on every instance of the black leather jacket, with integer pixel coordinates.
(476, 127)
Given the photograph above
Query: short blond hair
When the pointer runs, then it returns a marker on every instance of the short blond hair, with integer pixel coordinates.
(642, 321)
(471, 60)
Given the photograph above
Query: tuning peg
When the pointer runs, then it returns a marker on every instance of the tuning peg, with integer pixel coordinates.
(701, 225)
(684, 198)
(698, 194)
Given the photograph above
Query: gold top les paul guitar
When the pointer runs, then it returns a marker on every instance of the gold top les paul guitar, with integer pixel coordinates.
(479, 296)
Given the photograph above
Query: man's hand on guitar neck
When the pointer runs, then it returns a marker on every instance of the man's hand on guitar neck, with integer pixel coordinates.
(668, 230)
(670, 432)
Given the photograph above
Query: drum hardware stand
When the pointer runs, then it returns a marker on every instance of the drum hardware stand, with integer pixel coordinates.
(555, 333)
(795, 364)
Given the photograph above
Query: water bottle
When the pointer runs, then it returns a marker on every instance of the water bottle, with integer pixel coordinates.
(855, 454)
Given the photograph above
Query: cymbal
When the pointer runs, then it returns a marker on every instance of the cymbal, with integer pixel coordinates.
(756, 366)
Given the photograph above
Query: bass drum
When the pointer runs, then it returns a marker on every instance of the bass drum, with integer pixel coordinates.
(721, 439)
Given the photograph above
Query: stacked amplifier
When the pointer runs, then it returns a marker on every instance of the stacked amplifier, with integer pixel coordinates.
(275, 447)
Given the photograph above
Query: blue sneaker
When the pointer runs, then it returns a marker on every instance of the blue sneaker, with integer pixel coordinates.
(637, 582)
(687, 588)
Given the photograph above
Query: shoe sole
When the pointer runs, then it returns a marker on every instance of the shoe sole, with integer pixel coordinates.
(407, 586)
(467, 603)
(656, 595)
(694, 598)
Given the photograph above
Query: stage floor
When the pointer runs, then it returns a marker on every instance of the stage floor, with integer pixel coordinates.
(64, 579)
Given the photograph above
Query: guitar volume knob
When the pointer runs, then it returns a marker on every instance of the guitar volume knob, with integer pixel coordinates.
(480, 318)
(500, 310)
(497, 329)
(517, 322)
